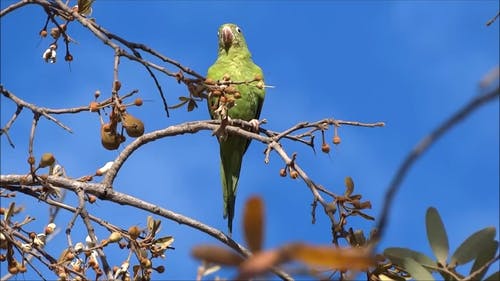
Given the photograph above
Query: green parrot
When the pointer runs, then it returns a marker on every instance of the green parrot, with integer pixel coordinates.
(235, 62)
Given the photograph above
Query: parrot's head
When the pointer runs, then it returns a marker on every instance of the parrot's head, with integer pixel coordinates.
(231, 39)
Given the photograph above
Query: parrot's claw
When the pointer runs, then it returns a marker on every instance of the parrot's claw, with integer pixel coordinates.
(255, 124)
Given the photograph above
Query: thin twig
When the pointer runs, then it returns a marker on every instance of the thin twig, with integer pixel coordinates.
(422, 147)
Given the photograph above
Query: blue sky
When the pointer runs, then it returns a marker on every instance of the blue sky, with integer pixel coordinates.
(408, 63)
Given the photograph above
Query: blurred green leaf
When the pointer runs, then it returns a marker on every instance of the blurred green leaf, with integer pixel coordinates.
(397, 256)
(416, 271)
(436, 234)
(493, 277)
(472, 246)
(484, 256)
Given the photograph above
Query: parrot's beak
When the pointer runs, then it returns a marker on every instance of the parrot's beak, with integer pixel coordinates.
(227, 37)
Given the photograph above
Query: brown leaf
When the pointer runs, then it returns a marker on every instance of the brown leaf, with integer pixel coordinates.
(253, 223)
(349, 186)
(260, 263)
(330, 257)
(216, 254)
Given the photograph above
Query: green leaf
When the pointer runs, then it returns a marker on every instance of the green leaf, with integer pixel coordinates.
(472, 246)
(417, 271)
(493, 277)
(397, 256)
(436, 234)
(483, 257)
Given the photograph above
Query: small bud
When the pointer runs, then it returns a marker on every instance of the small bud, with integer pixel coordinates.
(260, 84)
(91, 198)
(104, 169)
(294, 174)
(68, 57)
(55, 32)
(226, 77)
(43, 33)
(117, 85)
(115, 237)
(209, 81)
(258, 77)
(237, 95)
(31, 160)
(32, 235)
(49, 229)
(283, 172)
(138, 101)
(97, 93)
(216, 93)
(336, 140)
(134, 232)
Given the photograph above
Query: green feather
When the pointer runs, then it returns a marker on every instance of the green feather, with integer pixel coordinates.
(235, 60)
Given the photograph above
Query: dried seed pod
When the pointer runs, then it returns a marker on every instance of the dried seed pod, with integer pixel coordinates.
(336, 139)
(134, 232)
(294, 174)
(258, 77)
(47, 160)
(55, 32)
(325, 147)
(43, 33)
(133, 125)
(283, 172)
(209, 81)
(138, 102)
(109, 139)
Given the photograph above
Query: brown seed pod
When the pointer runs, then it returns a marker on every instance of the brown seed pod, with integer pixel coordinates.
(55, 32)
(43, 33)
(109, 139)
(325, 147)
(226, 77)
(47, 160)
(336, 139)
(209, 81)
(237, 95)
(68, 57)
(283, 172)
(134, 232)
(230, 89)
(133, 125)
(258, 77)
(260, 84)
(97, 93)
(294, 174)
(138, 102)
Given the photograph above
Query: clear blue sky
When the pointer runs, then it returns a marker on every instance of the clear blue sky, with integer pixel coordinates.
(408, 63)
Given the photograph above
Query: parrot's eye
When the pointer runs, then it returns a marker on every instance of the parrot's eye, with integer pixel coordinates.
(238, 29)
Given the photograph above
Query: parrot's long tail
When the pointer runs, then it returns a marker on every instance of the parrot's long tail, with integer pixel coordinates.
(231, 155)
